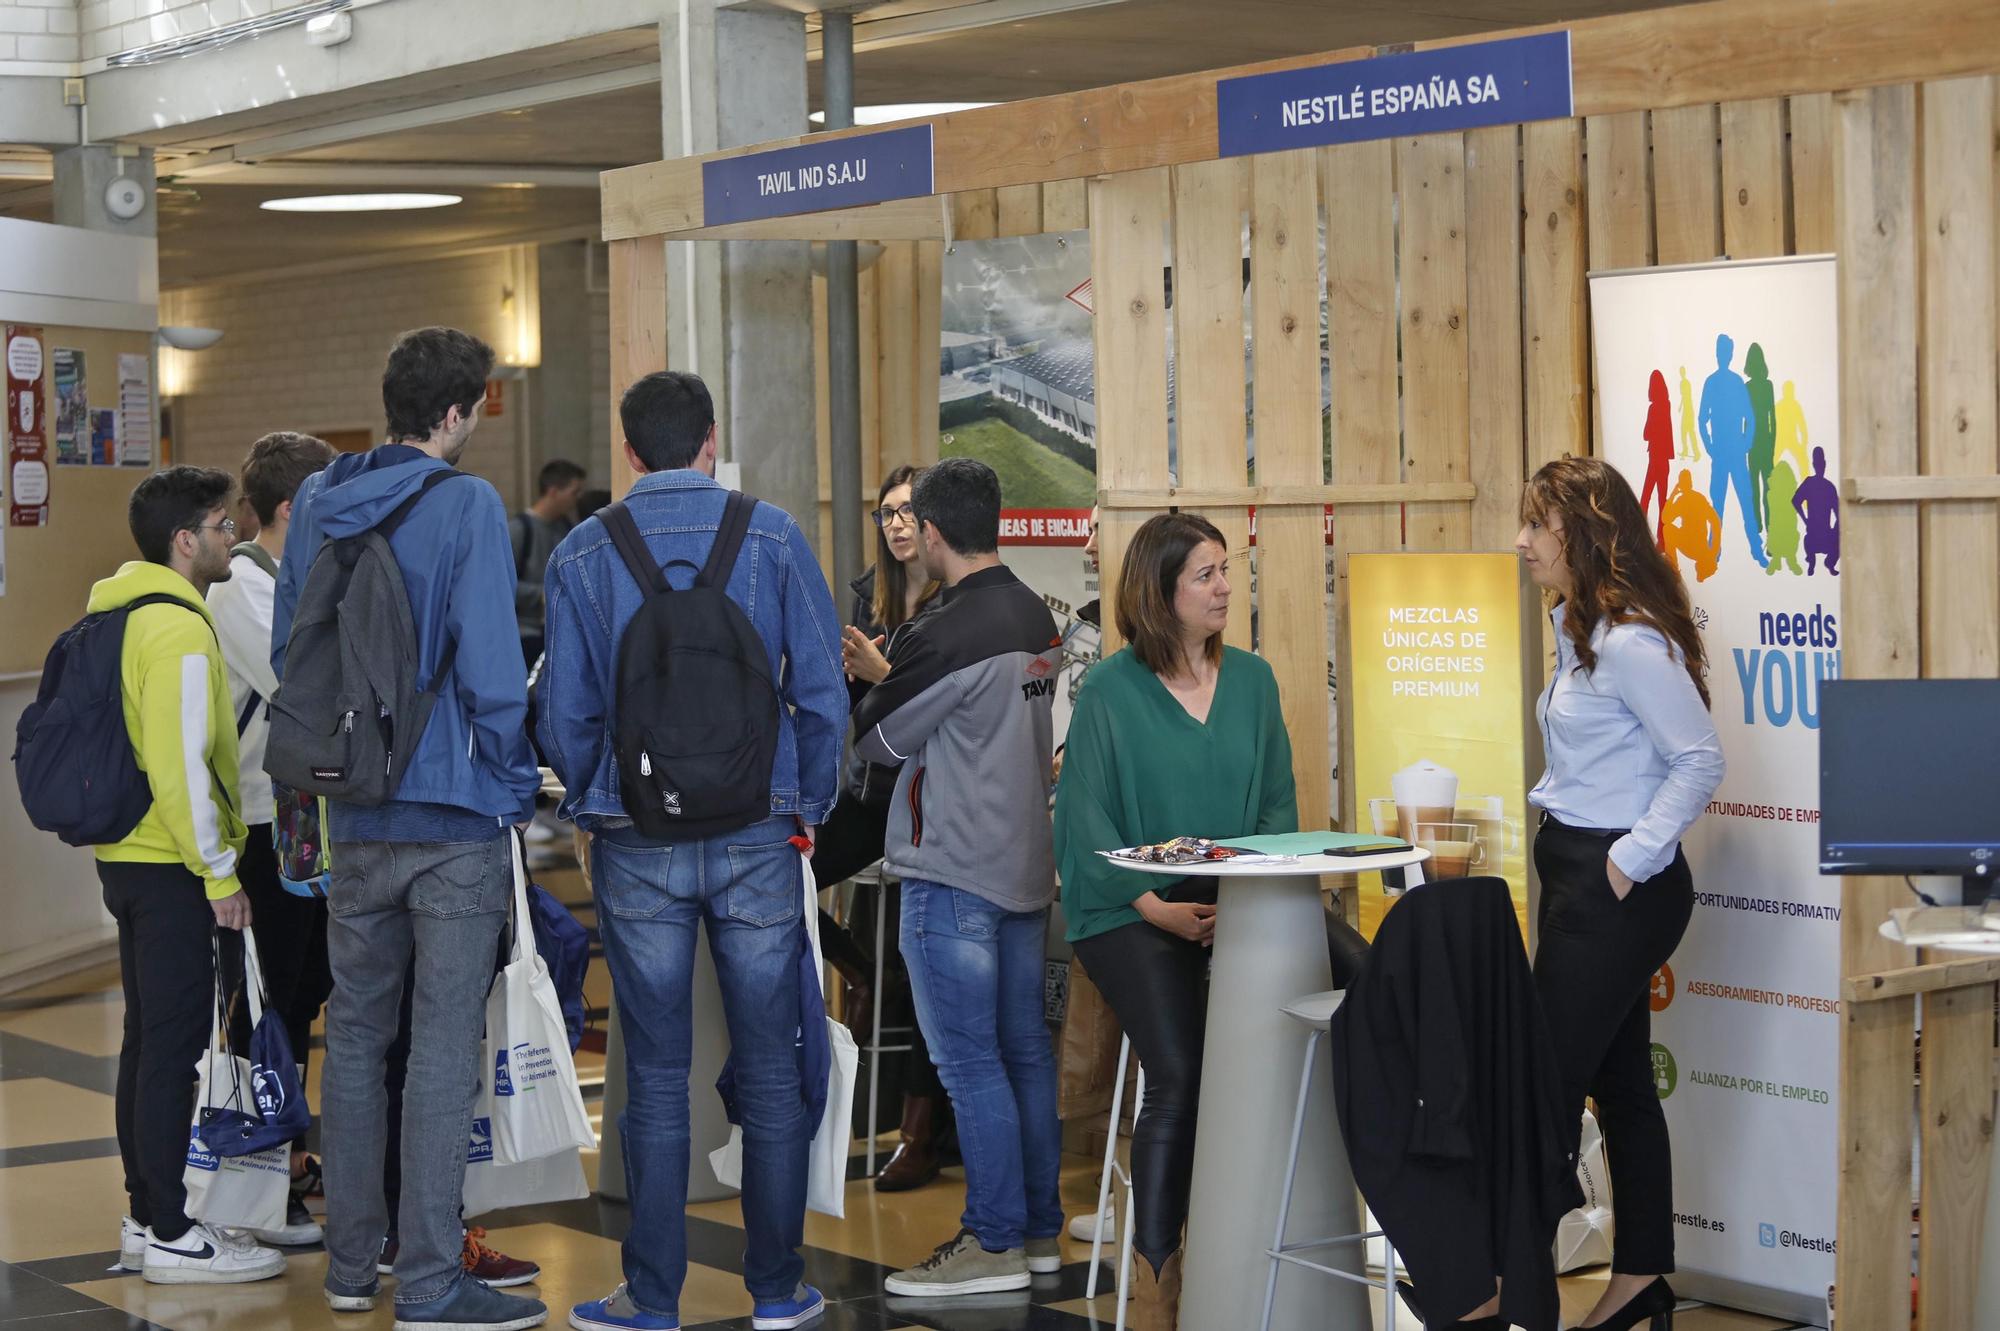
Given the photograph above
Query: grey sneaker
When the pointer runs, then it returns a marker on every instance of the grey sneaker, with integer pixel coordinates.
(1045, 1256)
(962, 1267)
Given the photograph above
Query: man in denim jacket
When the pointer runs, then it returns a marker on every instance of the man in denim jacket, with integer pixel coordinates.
(745, 884)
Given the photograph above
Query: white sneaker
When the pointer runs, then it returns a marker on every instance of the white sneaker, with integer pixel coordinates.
(131, 1245)
(1084, 1227)
(209, 1256)
(300, 1230)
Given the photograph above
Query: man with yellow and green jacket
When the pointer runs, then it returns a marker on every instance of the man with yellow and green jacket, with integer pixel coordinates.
(173, 879)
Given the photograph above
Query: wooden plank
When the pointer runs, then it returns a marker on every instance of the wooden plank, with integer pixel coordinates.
(924, 351)
(1357, 188)
(975, 215)
(1366, 494)
(1957, 973)
(1553, 316)
(1812, 173)
(1493, 326)
(1620, 191)
(638, 280)
(1291, 542)
(896, 297)
(1128, 225)
(869, 315)
(1961, 542)
(899, 219)
(1875, 230)
(1687, 212)
(1019, 210)
(1065, 205)
(1676, 56)
(1430, 191)
(823, 426)
(1956, 1114)
(1753, 178)
(1930, 489)
(1209, 394)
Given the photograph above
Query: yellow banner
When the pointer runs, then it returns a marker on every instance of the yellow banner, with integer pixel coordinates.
(1441, 700)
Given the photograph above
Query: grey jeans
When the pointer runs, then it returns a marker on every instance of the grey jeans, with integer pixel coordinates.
(445, 905)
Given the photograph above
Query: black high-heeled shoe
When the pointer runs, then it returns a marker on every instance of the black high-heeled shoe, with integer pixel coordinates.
(1653, 1306)
(1408, 1293)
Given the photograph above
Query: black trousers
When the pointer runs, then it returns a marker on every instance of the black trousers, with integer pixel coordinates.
(848, 842)
(167, 963)
(1594, 967)
(291, 946)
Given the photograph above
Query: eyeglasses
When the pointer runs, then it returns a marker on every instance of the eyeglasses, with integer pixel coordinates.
(901, 513)
(227, 527)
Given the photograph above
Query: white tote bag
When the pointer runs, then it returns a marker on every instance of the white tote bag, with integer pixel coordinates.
(1583, 1238)
(492, 1185)
(537, 1103)
(826, 1174)
(237, 1191)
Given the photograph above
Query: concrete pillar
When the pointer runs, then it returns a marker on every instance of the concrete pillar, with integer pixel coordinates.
(83, 174)
(569, 382)
(740, 314)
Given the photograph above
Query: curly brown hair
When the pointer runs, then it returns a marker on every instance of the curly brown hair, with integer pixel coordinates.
(1620, 576)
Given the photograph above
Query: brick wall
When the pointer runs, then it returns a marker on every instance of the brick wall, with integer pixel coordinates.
(306, 354)
(110, 26)
(39, 30)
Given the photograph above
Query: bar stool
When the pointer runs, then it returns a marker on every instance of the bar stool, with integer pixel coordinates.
(1315, 1011)
(1124, 1176)
(873, 1047)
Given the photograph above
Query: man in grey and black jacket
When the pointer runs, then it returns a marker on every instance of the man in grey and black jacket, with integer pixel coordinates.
(968, 710)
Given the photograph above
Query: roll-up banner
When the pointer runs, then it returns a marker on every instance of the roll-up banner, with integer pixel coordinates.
(1718, 387)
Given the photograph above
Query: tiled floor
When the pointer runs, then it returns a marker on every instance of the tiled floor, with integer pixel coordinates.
(61, 1196)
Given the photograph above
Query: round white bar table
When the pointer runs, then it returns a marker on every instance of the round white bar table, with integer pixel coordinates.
(1270, 948)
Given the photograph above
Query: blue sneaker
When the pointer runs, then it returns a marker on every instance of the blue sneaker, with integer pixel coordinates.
(472, 1306)
(803, 1306)
(618, 1313)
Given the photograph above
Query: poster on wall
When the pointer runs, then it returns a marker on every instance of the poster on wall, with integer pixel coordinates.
(72, 407)
(1719, 387)
(103, 437)
(27, 430)
(135, 411)
(1441, 755)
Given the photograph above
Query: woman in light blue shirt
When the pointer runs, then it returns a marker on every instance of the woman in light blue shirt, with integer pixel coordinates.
(1632, 761)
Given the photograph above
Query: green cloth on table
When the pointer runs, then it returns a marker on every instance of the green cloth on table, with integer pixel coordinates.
(1138, 769)
(1309, 843)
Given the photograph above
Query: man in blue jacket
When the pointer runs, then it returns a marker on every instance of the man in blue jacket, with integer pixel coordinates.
(745, 884)
(426, 877)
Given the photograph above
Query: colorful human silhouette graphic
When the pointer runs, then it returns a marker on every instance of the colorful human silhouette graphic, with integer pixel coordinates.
(1781, 538)
(1728, 426)
(1817, 501)
(1691, 528)
(1659, 435)
(1791, 431)
(1690, 440)
(1764, 436)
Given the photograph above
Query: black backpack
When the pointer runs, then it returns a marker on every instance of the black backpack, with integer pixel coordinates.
(696, 725)
(348, 714)
(73, 758)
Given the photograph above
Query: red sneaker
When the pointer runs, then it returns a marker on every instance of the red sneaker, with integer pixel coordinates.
(496, 1268)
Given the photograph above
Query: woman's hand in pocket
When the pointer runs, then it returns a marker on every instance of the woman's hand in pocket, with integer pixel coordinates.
(1621, 886)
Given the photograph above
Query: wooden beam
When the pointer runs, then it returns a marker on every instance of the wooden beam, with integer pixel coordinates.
(1753, 178)
(1553, 315)
(1281, 496)
(1812, 173)
(1876, 233)
(1437, 403)
(1065, 205)
(1493, 316)
(638, 279)
(1920, 489)
(1680, 56)
(1956, 1114)
(899, 219)
(1959, 972)
(1019, 209)
(1687, 214)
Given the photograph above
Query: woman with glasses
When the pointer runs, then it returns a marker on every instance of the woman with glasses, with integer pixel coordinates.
(886, 597)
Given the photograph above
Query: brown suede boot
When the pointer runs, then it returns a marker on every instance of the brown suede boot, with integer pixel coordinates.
(1156, 1298)
(915, 1161)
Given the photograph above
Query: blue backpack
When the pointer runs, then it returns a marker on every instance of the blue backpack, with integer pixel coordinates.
(565, 948)
(73, 758)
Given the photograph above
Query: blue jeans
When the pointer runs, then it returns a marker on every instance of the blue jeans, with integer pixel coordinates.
(650, 897)
(976, 974)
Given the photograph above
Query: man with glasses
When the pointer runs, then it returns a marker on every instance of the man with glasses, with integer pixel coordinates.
(173, 879)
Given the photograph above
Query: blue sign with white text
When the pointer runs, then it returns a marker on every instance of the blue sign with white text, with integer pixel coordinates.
(1391, 96)
(814, 177)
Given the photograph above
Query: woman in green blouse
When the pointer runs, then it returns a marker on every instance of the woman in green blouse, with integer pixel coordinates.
(1173, 735)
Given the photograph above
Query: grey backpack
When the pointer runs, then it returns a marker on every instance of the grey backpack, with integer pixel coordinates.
(348, 713)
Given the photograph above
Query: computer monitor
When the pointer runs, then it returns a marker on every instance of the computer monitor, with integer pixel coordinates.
(1909, 779)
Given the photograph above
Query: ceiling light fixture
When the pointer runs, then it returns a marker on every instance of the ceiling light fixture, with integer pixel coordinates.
(882, 115)
(228, 33)
(358, 203)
